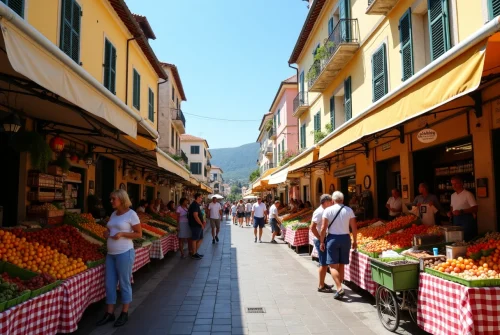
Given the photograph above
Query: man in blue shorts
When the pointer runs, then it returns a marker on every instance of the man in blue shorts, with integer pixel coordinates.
(197, 224)
(316, 223)
(259, 218)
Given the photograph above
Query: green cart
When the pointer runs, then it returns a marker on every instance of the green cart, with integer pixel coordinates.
(398, 283)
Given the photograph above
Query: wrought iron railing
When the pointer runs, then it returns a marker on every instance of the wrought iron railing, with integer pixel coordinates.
(300, 100)
(178, 115)
(272, 132)
(183, 156)
(346, 31)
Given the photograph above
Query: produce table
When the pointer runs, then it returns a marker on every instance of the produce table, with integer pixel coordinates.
(359, 272)
(297, 238)
(141, 257)
(40, 315)
(78, 293)
(165, 244)
(445, 307)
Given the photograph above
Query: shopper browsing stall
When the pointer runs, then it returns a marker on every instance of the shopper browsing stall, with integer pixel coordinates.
(463, 209)
(197, 224)
(394, 204)
(123, 226)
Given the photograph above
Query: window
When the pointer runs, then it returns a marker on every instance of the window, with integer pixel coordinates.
(332, 112)
(214, 176)
(379, 73)
(330, 26)
(172, 138)
(109, 66)
(195, 168)
(205, 152)
(405, 39)
(303, 136)
(439, 27)
(279, 117)
(173, 93)
(136, 90)
(151, 106)
(493, 8)
(16, 5)
(195, 150)
(279, 153)
(70, 28)
(317, 121)
(283, 145)
(347, 99)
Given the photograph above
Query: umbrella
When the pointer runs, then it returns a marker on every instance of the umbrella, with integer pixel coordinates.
(216, 196)
(250, 197)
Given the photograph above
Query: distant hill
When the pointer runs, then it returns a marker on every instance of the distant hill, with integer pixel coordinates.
(237, 163)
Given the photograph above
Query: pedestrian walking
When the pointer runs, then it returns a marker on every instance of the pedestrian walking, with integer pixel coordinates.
(184, 231)
(240, 209)
(335, 239)
(227, 206)
(215, 215)
(234, 213)
(197, 224)
(275, 221)
(316, 224)
(259, 217)
(122, 227)
(248, 212)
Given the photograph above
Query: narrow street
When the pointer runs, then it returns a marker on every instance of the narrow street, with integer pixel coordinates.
(211, 296)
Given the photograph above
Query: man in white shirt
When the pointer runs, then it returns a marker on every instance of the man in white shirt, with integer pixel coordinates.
(316, 223)
(336, 221)
(274, 220)
(215, 214)
(248, 213)
(394, 205)
(259, 217)
(234, 213)
(463, 209)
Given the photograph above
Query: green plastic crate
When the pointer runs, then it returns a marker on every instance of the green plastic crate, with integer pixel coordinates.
(468, 283)
(15, 271)
(395, 277)
(93, 264)
(45, 289)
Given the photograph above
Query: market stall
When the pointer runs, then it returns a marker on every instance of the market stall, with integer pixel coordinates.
(296, 227)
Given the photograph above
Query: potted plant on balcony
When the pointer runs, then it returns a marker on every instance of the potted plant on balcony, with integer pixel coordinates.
(269, 125)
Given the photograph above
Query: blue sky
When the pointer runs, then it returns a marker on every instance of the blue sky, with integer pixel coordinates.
(231, 55)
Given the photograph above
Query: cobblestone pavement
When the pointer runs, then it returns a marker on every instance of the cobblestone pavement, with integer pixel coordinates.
(211, 296)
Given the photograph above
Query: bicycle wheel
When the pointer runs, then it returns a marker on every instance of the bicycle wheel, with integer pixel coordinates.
(411, 304)
(387, 308)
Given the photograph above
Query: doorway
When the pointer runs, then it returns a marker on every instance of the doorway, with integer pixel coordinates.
(134, 193)
(388, 178)
(150, 193)
(105, 181)
(9, 185)
(348, 188)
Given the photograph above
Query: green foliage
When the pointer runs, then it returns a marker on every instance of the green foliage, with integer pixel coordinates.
(63, 162)
(328, 127)
(324, 52)
(269, 124)
(286, 156)
(237, 163)
(34, 144)
(319, 135)
(254, 175)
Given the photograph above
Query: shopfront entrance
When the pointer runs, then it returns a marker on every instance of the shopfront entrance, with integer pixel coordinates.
(388, 178)
(134, 193)
(149, 193)
(9, 185)
(105, 181)
(348, 188)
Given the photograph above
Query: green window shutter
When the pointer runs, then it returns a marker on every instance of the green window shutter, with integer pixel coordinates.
(405, 39)
(112, 71)
(330, 26)
(109, 66)
(70, 29)
(494, 8)
(332, 112)
(317, 122)
(439, 27)
(347, 99)
(151, 106)
(379, 74)
(136, 95)
(16, 5)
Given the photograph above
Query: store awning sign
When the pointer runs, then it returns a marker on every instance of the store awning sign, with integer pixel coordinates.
(427, 135)
(345, 172)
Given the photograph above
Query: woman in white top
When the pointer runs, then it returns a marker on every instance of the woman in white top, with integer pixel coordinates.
(123, 227)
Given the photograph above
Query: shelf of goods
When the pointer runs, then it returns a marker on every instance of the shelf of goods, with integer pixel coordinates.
(443, 175)
(44, 187)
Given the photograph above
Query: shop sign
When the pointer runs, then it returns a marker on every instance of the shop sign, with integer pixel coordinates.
(427, 135)
(345, 172)
(319, 172)
(386, 146)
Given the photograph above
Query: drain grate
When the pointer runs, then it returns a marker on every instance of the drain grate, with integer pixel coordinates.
(254, 310)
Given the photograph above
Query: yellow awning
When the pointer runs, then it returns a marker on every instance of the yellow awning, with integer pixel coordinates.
(142, 142)
(194, 181)
(171, 166)
(457, 78)
(300, 162)
(210, 190)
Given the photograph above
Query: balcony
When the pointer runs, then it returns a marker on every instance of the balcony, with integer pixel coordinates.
(182, 155)
(269, 151)
(334, 55)
(380, 7)
(179, 120)
(272, 133)
(300, 104)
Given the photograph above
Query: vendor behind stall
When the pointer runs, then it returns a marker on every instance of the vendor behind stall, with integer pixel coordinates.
(427, 205)
(463, 209)
(394, 204)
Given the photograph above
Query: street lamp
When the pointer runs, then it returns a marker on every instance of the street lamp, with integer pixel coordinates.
(12, 123)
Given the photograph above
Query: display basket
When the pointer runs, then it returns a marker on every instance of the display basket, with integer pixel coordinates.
(465, 282)
(395, 277)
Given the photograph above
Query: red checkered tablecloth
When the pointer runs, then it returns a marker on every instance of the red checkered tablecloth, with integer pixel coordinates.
(445, 307)
(297, 238)
(359, 272)
(40, 315)
(160, 247)
(78, 293)
(141, 258)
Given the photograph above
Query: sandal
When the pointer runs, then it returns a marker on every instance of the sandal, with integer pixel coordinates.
(339, 294)
(325, 289)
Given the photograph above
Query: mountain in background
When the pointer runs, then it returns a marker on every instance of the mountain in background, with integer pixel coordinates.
(237, 163)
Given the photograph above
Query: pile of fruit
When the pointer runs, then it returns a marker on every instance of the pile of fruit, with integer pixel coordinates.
(400, 222)
(298, 214)
(404, 239)
(167, 219)
(9, 291)
(43, 208)
(376, 246)
(368, 234)
(153, 231)
(65, 239)
(32, 284)
(366, 223)
(469, 269)
(38, 258)
(418, 254)
(162, 225)
(87, 222)
(432, 262)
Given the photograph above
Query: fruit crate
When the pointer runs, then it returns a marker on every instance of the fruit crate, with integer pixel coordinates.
(395, 277)
(454, 252)
(45, 289)
(16, 301)
(93, 264)
(36, 179)
(16, 271)
(423, 259)
(465, 282)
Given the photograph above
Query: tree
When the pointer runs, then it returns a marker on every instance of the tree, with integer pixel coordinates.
(254, 175)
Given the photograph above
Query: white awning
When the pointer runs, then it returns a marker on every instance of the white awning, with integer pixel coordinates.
(279, 177)
(35, 57)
